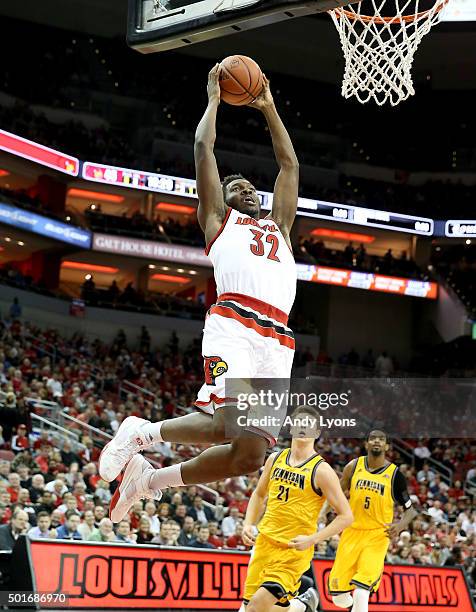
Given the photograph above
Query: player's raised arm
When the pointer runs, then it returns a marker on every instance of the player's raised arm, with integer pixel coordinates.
(327, 481)
(285, 196)
(211, 206)
(401, 497)
(257, 503)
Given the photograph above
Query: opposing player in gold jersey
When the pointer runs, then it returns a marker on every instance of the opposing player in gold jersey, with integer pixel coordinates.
(285, 507)
(374, 485)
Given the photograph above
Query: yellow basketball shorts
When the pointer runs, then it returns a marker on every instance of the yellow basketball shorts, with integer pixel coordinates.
(276, 568)
(359, 560)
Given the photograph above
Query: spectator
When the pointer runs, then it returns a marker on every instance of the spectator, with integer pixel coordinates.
(228, 525)
(236, 540)
(20, 441)
(99, 514)
(123, 533)
(214, 538)
(37, 487)
(240, 502)
(87, 527)
(68, 457)
(144, 535)
(421, 452)
(164, 538)
(199, 512)
(201, 541)
(43, 528)
(69, 531)
(105, 533)
(186, 535)
(102, 493)
(14, 487)
(15, 309)
(455, 558)
(17, 526)
(151, 511)
(383, 365)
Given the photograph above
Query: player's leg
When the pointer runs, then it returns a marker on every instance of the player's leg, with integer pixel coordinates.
(228, 352)
(262, 601)
(370, 567)
(344, 567)
(361, 600)
(141, 481)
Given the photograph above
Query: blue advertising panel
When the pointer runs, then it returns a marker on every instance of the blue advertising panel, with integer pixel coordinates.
(44, 226)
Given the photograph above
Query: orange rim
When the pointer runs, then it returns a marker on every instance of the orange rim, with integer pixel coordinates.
(378, 19)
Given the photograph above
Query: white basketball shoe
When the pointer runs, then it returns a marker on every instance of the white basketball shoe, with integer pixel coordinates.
(129, 440)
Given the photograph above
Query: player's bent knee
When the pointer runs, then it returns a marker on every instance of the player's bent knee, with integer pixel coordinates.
(248, 455)
(343, 600)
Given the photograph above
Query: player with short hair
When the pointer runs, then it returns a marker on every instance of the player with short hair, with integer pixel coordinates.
(285, 507)
(246, 334)
(374, 485)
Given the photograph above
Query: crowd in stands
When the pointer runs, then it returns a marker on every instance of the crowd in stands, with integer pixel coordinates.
(129, 298)
(50, 487)
(70, 68)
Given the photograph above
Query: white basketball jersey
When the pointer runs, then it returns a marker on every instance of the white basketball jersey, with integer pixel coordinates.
(251, 257)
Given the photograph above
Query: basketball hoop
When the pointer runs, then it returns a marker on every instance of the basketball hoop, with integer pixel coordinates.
(379, 50)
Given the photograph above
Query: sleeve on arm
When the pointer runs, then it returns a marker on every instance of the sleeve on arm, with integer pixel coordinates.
(400, 491)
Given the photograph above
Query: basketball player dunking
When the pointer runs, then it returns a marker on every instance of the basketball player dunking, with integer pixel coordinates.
(246, 333)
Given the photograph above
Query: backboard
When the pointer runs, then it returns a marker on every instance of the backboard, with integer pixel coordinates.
(159, 25)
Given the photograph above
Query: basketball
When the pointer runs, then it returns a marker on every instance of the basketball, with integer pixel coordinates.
(241, 80)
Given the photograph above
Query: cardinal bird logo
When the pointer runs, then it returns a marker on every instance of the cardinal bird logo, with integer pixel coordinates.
(214, 367)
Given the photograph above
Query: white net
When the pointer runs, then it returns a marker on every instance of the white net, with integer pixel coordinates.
(379, 48)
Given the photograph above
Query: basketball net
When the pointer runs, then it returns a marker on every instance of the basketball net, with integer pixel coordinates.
(379, 50)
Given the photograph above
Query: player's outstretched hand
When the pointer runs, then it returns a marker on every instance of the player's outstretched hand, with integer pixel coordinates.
(213, 87)
(249, 535)
(393, 529)
(301, 542)
(265, 98)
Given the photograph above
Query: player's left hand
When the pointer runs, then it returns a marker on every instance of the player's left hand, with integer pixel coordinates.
(393, 529)
(265, 98)
(301, 542)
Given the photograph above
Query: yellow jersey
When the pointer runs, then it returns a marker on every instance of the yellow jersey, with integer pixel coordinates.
(294, 503)
(371, 497)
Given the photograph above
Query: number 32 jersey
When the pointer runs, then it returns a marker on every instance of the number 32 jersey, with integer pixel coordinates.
(251, 257)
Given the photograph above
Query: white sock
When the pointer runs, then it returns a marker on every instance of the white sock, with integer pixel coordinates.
(296, 605)
(167, 477)
(153, 429)
(242, 608)
(361, 600)
(343, 600)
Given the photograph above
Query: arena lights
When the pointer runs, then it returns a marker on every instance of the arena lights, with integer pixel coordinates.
(38, 153)
(85, 194)
(179, 209)
(170, 278)
(79, 265)
(4, 172)
(339, 235)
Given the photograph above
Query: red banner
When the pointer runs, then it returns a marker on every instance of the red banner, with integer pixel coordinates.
(38, 153)
(126, 576)
(122, 576)
(407, 588)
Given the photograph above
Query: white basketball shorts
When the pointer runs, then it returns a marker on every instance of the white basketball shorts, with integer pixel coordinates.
(243, 338)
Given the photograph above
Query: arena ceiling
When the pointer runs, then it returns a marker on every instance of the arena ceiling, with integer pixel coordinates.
(306, 47)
